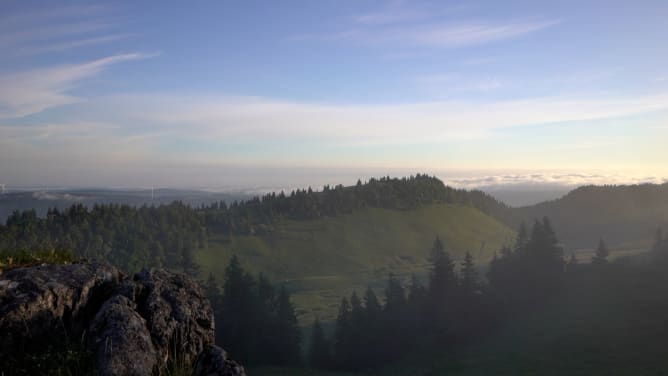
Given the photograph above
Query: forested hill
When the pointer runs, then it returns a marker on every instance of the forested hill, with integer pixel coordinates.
(619, 214)
(42, 200)
(257, 215)
(168, 235)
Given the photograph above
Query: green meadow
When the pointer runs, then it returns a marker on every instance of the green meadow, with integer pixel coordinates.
(322, 260)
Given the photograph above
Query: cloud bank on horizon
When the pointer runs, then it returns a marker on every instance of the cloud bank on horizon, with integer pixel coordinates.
(142, 94)
(545, 180)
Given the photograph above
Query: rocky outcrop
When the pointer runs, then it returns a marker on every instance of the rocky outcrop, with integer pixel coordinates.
(213, 361)
(121, 341)
(38, 304)
(177, 313)
(132, 326)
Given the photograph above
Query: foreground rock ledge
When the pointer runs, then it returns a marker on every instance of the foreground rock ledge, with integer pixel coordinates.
(131, 326)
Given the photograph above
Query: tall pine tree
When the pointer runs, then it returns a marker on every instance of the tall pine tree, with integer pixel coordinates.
(442, 286)
(469, 276)
(288, 339)
(342, 335)
(319, 352)
(601, 254)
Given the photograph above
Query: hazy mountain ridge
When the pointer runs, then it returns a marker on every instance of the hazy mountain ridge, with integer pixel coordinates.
(619, 214)
(43, 200)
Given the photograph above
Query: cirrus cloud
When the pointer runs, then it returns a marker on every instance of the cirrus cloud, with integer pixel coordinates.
(28, 92)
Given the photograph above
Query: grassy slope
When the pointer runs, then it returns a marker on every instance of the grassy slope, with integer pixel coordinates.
(325, 259)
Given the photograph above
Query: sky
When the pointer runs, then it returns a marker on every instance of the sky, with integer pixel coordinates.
(233, 93)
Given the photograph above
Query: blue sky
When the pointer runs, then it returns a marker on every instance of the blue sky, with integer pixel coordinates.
(216, 93)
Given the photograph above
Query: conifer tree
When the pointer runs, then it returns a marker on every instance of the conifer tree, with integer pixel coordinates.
(238, 307)
(442, 276)
(602, 253)
(373, 333)
(358, 328)
(469, 273)
(288, 340)
(267, 326)
(319, 353)
(522, 239)
(395, 296)
(372, 305)
(416, 292)
(266, 293)
(214, 295)
(572, 263)
(395, 317)
(342, 335)
(212, 290)
(417, 304)
(442, 285)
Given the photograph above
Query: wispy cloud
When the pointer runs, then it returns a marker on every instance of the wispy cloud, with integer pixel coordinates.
(449, 82)
(56, 30)
(44, 15)
(46, 34)
(70, 148)
(446, 35)
(29, 92)
(157, 132)
(437, 34)
(55, 132)
(402, 12)
(254, 119)
(68, 45)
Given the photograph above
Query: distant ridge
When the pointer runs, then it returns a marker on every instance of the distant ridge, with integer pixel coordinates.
(618, 213)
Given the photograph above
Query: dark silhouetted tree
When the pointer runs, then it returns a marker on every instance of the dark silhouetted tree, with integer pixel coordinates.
(238, 308)
(287, 345)
(442, 286)
(358, 327)
(257, 325)
(395, 316)
(319, 352)
(469, 276)
(342, 336)
(372, 335)
(601, 254)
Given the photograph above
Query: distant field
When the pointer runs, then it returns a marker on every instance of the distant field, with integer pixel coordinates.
(628, 249)
(323, 260)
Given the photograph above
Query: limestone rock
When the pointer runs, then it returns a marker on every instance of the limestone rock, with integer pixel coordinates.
(178, 315)
(132, 326)
(121, 341)
(213, 361)
(38, 304)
